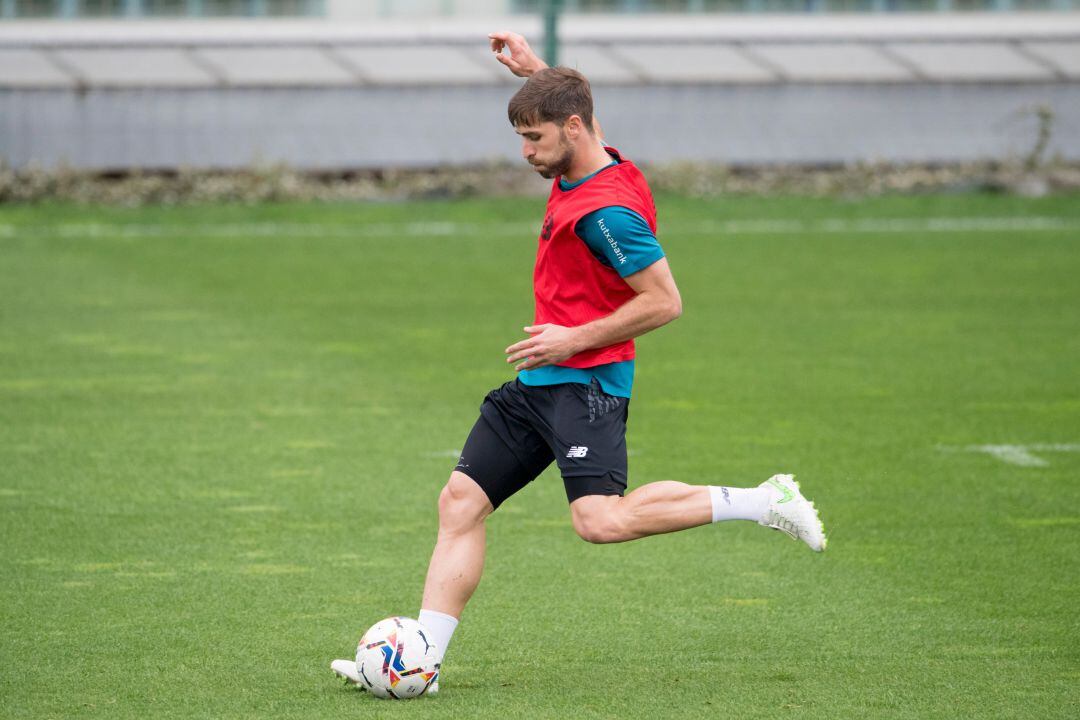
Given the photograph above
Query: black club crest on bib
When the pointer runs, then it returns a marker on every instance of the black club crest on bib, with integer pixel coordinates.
(549, 225)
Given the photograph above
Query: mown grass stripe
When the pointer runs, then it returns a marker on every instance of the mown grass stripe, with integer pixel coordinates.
(450, 229)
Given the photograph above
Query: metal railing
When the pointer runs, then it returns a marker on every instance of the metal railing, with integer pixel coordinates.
(788, 6)
(72, 9)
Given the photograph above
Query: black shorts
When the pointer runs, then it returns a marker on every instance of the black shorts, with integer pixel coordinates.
(522, 428)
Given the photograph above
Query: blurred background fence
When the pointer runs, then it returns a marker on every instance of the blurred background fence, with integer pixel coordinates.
(451, 8)
(411, 84)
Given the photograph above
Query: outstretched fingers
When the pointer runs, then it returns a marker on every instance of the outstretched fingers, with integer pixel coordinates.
(522, 61)
(521, 350)
(508, 62)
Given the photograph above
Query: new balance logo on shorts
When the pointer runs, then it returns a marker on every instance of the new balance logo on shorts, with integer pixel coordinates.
(577, 452)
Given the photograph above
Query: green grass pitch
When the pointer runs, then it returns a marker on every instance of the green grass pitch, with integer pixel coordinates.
(224, 430)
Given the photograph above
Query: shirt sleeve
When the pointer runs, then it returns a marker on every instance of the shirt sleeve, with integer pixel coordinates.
(620, 238)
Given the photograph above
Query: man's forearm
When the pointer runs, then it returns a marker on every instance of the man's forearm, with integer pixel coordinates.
(637, 317)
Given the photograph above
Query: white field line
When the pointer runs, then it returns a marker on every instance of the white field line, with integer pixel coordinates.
(442, 454)
(1022, 455)
(823, 226)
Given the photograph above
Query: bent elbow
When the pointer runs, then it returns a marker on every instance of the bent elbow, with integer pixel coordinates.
(674, 309)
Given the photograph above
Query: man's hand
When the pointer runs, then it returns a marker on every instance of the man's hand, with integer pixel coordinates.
(549, 345)
(522, 61)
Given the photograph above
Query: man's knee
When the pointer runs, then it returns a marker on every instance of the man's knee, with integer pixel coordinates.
(462, 503)
(596, 519)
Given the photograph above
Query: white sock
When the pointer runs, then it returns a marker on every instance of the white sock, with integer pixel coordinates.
(729, 503)
(441, 626)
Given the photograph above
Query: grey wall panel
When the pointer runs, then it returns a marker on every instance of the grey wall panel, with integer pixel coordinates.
(425, 65)
(976, 61)
(836, 123)
(360, 127)
(276, 66)
(695, 63)
(836, 63)
(324, 128)
(598, 63)
(127, 67)
(1064, 57)
(31, 68)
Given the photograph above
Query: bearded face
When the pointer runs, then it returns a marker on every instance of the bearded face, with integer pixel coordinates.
(560, 163)
(547, 148)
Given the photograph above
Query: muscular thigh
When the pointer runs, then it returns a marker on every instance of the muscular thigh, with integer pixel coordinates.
(504, 452)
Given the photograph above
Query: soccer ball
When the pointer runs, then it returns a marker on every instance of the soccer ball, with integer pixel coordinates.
(396, 659)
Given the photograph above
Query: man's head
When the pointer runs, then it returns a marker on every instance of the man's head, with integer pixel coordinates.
(551, 112)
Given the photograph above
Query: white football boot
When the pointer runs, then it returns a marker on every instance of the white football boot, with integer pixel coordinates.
(346, 669)
(792, 513)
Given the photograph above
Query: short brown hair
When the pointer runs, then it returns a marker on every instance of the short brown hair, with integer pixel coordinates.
(552, 95)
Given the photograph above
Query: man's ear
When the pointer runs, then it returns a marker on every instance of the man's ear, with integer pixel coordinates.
(574, 127)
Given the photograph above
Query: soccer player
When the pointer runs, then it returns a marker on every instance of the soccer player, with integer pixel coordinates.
(601, 279)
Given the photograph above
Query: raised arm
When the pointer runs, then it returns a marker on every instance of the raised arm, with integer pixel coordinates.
(523, 62)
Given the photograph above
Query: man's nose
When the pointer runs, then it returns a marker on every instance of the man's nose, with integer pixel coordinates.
(527, 150)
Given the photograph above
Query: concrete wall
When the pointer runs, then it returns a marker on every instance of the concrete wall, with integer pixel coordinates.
(375, 127)
(331, 96)
(350, 10)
